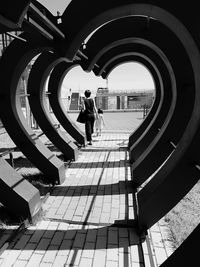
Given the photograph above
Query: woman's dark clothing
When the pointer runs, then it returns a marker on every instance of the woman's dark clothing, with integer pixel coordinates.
(90, 118)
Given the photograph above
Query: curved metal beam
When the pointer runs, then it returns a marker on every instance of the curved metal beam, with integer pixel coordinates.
(167, 134)
(116, 31)
(20, 54)
(182, 125)
(54, 88)
(147, 131)
(40, 71)
(81, 27)
(146, 164)
(149, 39)
(161, 109)
(130, 46)
(186, 73)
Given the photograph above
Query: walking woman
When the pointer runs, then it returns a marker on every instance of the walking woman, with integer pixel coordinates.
(90, 111)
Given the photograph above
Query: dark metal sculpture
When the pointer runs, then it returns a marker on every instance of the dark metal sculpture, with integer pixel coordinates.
(12, 116)
(168, 149)
(40, 71)
(54, 88)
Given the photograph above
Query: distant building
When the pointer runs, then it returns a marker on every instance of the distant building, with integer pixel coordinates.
(124, 99)
(116, 100)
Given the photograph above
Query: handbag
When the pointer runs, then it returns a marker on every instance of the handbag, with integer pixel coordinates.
(81, 116)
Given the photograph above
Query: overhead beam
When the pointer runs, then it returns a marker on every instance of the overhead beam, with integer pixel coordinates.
(8, 23)
(30, 23)
(38, 15)
(16, 36)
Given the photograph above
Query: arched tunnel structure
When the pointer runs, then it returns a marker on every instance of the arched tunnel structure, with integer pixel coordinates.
(98, 36)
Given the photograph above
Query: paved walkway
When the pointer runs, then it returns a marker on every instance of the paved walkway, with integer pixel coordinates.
(79, 222)
(84, 220)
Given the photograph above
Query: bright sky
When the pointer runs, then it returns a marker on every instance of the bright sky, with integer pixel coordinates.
(55, 5)
(126, 76)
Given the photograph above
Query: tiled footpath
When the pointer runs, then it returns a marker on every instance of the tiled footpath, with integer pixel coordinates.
(79, 222)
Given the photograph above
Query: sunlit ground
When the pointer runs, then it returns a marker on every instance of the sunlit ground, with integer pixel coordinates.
(116, 121)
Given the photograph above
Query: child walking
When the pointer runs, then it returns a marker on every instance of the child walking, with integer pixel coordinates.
(99, 122)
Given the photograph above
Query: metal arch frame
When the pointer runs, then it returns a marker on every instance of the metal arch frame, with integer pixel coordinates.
(122, 58)
(182, 162)
(94, 45)
(158, 101)
(38, 76)
(185, 38)
(105, 13)
(189, 250)
(97, 45)
(17, 194)
(149, 161)
(12, 117)
(98, 50)
(129, 45)
(54, 88)
(167, 176)
(152, 159)
(161, 109)
(144, 129)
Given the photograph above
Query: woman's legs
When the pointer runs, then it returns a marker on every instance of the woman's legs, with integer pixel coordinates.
(89, 128)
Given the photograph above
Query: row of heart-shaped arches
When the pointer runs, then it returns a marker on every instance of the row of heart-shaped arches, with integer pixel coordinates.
(161, 36)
